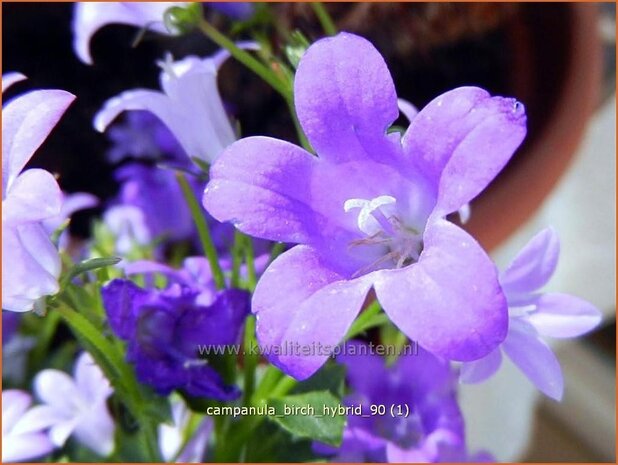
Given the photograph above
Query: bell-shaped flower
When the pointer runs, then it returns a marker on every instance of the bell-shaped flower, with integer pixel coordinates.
(190, 105)
(89, 17)
(533, 315)
(30, 261)
(76, 406)
(23, 435)
(369, 211)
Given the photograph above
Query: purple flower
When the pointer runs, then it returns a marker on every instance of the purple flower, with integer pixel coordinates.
(89, 17)
(420, 385)
(30, 261)
(369, 210)
(76, 406)
(165, 329)
(533, 315)
(128, 224)
(191, 83)
(156, 193)
(234, 10)
(144, 136)
(22, 438)
(172, 437)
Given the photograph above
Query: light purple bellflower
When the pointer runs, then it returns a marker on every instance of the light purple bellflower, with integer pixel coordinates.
(30, 262)
(533, 315)
(76, 406)
(190, 105)
(23, 436)
(369, 210)
(89, 17)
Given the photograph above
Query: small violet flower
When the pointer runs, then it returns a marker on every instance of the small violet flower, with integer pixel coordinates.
(421, 386)
(533, 315)
(369, 211)
(166, 328)
(89, 17)
(191, 83)
(172, 437)
(76, 406)
(29, 259)
(143, 136)
(23, 437)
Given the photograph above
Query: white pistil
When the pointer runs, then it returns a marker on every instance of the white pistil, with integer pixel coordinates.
(378, 219)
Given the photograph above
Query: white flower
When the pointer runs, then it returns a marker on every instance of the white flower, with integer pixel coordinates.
(77, 406)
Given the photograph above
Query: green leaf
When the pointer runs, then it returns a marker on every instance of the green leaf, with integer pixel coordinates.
(330, 378)
(316, 426)
(88, 265)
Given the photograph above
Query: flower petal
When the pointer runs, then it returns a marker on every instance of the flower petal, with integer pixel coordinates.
(450, 301)
(25, 447)
(34, 266)
(89, 17)
(262, 186)
(92, 384)
(562, 315)
(481, 369)
(58, 390)
(121, 298)
(205, 131)
(95, 429)
(39, 418)
(27, 120)
(34, 196)
(8, 79)
(304, 309)
(534, 358)
(477, 136)
(533, 266)
(345, 99)
(14, 405)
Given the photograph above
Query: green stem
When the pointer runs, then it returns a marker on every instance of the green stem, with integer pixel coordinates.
(250, 260)
(326, 21)
(236, 257)
(269, 380)
(250, 360)
(202, 229)
(244, 57)
(283, 387)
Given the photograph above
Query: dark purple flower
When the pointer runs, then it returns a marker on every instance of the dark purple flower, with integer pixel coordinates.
(369, 210)
(165, 328)
(532, 315)
(420, 385)
(234, 10)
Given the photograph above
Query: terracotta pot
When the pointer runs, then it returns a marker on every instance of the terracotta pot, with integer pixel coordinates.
(560, 88)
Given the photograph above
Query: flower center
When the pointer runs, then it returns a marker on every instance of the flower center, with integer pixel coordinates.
(380, 221)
